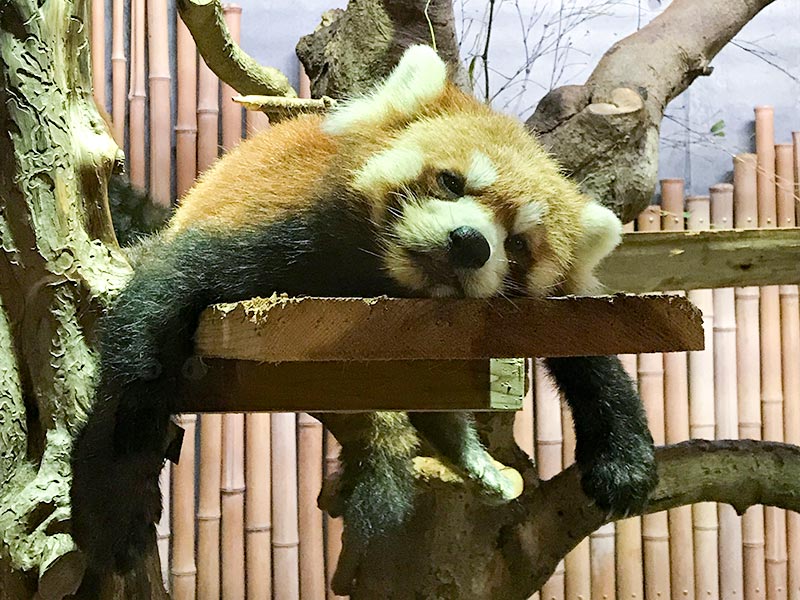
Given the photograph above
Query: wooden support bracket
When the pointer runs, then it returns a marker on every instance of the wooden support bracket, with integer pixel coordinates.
(355, 354)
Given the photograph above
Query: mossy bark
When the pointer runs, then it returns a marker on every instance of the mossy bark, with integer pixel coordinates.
(59, 264)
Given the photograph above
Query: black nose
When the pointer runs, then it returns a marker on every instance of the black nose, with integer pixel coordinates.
(468, 248)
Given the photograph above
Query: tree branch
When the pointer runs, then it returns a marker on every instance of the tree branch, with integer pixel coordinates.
(351, 49)
(206, 23)
(621, 105)
(559, 515)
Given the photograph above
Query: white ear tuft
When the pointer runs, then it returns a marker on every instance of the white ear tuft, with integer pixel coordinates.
(601, 233)
(418, 78)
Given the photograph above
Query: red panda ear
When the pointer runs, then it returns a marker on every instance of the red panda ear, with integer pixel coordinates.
(418, 79)
(601, 232)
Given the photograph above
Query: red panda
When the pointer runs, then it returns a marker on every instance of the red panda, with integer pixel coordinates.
(416, 189)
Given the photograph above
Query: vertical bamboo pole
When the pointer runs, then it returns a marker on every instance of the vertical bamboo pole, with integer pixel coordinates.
(676, 416)
(231, 111)
(796, 168)
(209, 507)
(748, 367)
(701, 419)
(186, 126)
(333, 527)
(160, 102)
(232, 490)
(655, 528)
(137, 96)
(630, 574)
(578, 563)
(312, 543)
(119, 66)
(160, 158)
(163, 527)
(184, 571)
(786, 158)
(99, 52)
(731, 584)
(549, 454)
(258, 476)
(233, 481)
(285, 538)
(771, 384)
(258, 506)
(310, 458)
(207, 116)
(523, 420)
(601, 552)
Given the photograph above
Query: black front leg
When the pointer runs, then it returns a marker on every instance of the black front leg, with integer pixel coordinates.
(614, 448)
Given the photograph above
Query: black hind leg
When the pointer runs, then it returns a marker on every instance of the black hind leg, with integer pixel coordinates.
(455, 437)
(614, 449)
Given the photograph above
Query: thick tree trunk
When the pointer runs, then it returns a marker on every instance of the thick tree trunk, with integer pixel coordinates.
(59, 264)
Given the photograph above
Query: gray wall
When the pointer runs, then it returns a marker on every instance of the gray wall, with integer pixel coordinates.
(741, 79)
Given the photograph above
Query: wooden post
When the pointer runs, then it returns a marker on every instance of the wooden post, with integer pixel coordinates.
(701, 418)
(160, 103)
(184, 570)
(333, 527)
(745, 207)
(163, 527)
(99, 52)
(726, 407)
(628, 543)
(285, 538)
(137, 97)
(770, 336)
(258, 505)
(524, 421)
(655, 528)
(119, 68)
(549, 454)
(209, 508)
(785, 163)
(676, 415)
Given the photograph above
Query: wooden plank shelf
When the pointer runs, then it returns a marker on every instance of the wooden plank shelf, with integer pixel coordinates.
(349, 354)
(689, 260)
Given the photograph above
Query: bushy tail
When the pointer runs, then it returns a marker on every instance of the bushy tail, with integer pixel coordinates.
(145, 338)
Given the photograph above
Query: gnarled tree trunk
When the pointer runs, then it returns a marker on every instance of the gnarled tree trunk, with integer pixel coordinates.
(59, 263)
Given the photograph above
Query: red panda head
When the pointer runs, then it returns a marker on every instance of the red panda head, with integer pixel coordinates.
(467, 202)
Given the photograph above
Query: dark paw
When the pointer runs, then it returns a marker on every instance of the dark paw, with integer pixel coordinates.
(620, 484)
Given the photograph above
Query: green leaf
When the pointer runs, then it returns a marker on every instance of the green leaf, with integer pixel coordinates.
(718, 128)
(471, 70)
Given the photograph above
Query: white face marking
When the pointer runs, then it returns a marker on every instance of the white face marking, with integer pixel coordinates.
(481, 173)
(418, 78)
(529, 216)
(425, 227)
(390, 168)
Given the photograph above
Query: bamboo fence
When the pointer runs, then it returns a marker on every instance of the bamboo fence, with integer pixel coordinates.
(231, 530)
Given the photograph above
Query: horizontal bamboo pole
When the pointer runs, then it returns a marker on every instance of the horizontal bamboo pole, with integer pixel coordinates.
(320, 329)
(661, 261)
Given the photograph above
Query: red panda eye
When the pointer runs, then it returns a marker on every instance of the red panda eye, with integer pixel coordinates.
(516, 243)
(453, 183)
